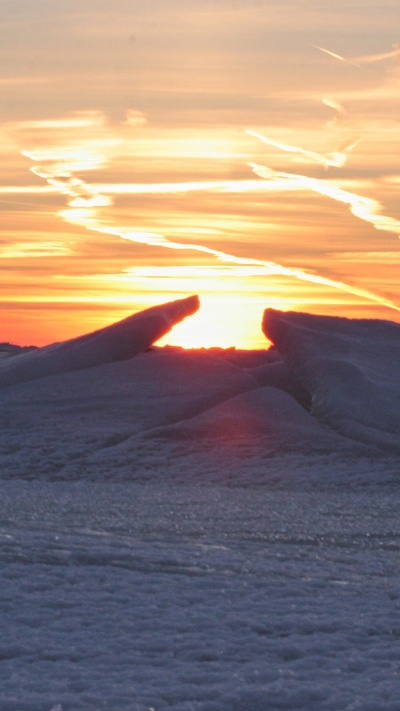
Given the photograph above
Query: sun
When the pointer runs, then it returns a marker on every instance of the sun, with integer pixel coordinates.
(224, 322)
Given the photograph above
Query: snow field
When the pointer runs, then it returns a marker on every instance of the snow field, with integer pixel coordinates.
(147, 596)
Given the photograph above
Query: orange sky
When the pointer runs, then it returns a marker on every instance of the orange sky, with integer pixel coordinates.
(244, 151)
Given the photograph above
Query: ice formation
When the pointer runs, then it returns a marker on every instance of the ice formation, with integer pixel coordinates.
(120, 341)
(330, 386)
(350, 367)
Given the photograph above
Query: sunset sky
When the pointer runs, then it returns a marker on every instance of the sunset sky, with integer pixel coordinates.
(244, 150)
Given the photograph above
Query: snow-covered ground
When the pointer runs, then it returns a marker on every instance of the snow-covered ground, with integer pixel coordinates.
(204, 531)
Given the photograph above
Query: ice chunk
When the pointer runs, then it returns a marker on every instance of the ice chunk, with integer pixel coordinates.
(120, 341)
(350, 367)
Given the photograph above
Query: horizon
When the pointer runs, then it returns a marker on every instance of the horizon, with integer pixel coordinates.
(244, 152)
(203, 342)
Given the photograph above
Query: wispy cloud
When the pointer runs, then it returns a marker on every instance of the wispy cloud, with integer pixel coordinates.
(338, 108)
(84, 202)
(363, 59)
(62, 162)
(334, 159)
(268, 267)
(34, 249)
(362, 207)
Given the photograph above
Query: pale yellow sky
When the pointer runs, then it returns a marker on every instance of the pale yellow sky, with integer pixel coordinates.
(244, 151)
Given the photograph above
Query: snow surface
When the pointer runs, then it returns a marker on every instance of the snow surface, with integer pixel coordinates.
(205, 531)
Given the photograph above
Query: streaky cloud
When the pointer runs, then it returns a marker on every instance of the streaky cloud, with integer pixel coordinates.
(335, 159)
(84, 201)
(362, 59)
(338, 108)
(364, 208)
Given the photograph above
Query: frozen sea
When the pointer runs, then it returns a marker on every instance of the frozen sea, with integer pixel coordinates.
(205, 530)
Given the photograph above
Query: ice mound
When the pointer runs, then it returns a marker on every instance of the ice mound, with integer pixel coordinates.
(120, 341)
(264, 416)
(50, 424)
(350, 368)
(328, 391)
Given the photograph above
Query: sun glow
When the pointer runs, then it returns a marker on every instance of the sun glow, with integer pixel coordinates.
(235, 285)
(236, 289)
(137, 169)
(223, 320)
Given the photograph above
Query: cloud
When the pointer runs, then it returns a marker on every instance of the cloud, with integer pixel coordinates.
(85, 214)
(134, 118)
(340, 112)
(363, 59)
(362, 207)
(37, 249)
(334, 159)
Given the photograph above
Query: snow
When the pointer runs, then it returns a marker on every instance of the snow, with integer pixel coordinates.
(139, 596)
(205, 531)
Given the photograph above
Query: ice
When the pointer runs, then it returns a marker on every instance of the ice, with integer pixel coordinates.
(54, 425)
(118, 342)
(181, 411)
(204, 530)
(350, 367)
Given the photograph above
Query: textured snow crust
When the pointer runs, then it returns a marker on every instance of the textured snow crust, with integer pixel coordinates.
(212, 597)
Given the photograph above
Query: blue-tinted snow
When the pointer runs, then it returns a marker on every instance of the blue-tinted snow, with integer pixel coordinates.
(195, 531)
(206, 597)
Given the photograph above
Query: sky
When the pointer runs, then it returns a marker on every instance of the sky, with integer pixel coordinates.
(247, 151)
